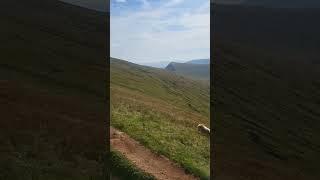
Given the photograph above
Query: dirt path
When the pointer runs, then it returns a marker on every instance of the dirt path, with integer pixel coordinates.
(159, 166)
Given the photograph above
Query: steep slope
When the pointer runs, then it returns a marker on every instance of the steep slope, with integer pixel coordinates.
(98, 5)
(52, 101)
(162, 110)
(266, 94)
(177, 90)
(191, 70)
(292, 30)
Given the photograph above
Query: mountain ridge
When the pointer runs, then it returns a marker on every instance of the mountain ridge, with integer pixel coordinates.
(192, 70)
(199, 61)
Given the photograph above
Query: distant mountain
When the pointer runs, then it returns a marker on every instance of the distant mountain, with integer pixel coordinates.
(191, 70)
(160, 64)
(164, 64)
(199, 61)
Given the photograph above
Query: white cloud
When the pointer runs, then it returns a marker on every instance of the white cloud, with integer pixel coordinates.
(146, 4)
(146, 36)
(173, 3)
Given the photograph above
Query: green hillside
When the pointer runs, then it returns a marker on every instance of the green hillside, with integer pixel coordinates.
(191, 70)
(266, 94)
(52, 99)
(162, 111)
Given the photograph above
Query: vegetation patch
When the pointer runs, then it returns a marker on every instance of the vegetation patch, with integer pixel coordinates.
(176, 137)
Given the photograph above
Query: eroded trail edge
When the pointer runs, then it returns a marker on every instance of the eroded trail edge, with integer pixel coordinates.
(158, 166)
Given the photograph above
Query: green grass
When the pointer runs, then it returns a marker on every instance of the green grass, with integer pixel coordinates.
(177, 90)
(162, 111)
(266, 102)
(24, 168)
(52, 97)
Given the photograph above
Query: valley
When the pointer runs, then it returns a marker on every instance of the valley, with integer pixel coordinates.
(161, 110)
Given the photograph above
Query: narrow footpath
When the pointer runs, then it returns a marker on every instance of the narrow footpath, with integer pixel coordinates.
(158, 166)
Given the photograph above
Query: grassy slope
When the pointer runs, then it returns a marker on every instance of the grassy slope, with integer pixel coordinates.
(162, 110)
(195, 71)
(266, 100)
(51, 70)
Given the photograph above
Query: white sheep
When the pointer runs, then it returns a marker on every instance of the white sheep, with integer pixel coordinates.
(203, 129)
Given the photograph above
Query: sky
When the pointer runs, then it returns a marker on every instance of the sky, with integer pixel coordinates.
(159, 30)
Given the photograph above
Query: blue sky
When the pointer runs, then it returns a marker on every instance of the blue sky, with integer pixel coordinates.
(160, 30)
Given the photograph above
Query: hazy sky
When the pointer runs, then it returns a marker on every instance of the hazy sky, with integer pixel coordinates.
(160, 30)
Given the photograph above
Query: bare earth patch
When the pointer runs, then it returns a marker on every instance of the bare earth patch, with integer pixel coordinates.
(156, 165)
